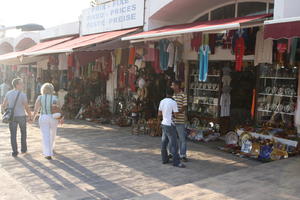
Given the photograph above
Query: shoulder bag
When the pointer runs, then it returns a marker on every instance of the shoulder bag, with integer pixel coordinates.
(8, 116)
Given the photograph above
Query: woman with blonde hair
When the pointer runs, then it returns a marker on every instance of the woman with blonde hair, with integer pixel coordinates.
(45, 104)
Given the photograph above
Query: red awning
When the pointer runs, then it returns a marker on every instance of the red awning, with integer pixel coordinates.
(83, 41)
(207, 26)
(283, 28)
(37, 47)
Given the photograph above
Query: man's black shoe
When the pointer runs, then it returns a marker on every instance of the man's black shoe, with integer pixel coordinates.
(14, 154)
(170, 156)
(184, 159)
(180, 165)
(165, 162)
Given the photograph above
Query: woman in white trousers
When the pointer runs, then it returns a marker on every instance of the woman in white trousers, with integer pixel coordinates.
(48, 125)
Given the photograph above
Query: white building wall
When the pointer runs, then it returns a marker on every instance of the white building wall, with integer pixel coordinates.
(60, 31)
(286, 9)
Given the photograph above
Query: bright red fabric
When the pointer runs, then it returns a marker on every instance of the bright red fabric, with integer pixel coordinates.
(239, 54)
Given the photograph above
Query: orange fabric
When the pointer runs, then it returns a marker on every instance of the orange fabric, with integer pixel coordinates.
(253, 104)
(131, 56)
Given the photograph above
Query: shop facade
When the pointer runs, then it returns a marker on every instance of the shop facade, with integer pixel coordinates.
(239, 82)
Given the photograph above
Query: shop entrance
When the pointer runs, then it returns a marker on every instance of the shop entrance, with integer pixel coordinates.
(243, 85)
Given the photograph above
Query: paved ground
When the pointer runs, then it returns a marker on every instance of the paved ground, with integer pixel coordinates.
(102, 162)
(273, 181)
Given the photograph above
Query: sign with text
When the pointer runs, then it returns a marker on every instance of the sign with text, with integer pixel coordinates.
(114, 15)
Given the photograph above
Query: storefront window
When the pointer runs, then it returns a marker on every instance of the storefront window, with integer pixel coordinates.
(271, 8)
(203, 18)
(223, 13)
(251, 8)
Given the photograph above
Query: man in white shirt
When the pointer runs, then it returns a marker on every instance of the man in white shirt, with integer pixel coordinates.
(4, 88)
(167, 108)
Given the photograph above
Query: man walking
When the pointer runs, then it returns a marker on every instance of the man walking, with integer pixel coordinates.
(167, 108)
(19, 115)
(4, 88)
(181, 100)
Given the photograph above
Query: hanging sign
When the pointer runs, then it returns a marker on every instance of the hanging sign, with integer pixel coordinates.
(114, 15)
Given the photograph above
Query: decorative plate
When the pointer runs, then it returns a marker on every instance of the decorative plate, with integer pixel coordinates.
(274, 90)
(287, 108)
(280, 108)
(281, 91)
(273, 107)
(231, 138)
(243, 137)
(268, 90)
(195, 122)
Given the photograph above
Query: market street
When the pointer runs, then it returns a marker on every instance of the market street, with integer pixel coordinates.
(102, 162)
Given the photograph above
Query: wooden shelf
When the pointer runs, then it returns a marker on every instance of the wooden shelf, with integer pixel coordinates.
(197, 75)
(204, 89)
(284, 113)
(277, 95)
(283, 78)
(209, 104)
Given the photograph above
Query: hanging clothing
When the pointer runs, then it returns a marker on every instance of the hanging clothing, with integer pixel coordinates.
(281, 49)
(132, 78)
(263, 49)
(163, 54)
(171, 52)
(204, 52)
(131, 56)
(293, 50)
(186, 38)
(181, 69)
(125, 57)
(62, 62)
(122, 77)
(239, 54)
(225, 103)
(205, 40)
(155, 63)
(212, 43)
(150, 53)
(71, 60)
(118, 55)
(196, 41)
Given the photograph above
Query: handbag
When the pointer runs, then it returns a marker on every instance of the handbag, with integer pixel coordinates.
(8, 115)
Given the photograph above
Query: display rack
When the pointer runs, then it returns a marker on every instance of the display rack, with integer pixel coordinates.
(204, 97)
(277, 93)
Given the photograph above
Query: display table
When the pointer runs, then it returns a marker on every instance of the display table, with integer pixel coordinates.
(281, 140)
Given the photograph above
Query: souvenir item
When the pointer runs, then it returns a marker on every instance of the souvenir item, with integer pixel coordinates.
(243, 137)
(279, 108)
(195, 122)
(274, 90)
(246, 146)
(273, 107)
(280, 91)
(277, 154)
(265, 152)
(287, 91)
(209, 86)
(268, 90)
(255, 149)
(287, 108)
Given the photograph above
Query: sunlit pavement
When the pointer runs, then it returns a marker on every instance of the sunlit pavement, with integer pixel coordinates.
(106, 162)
